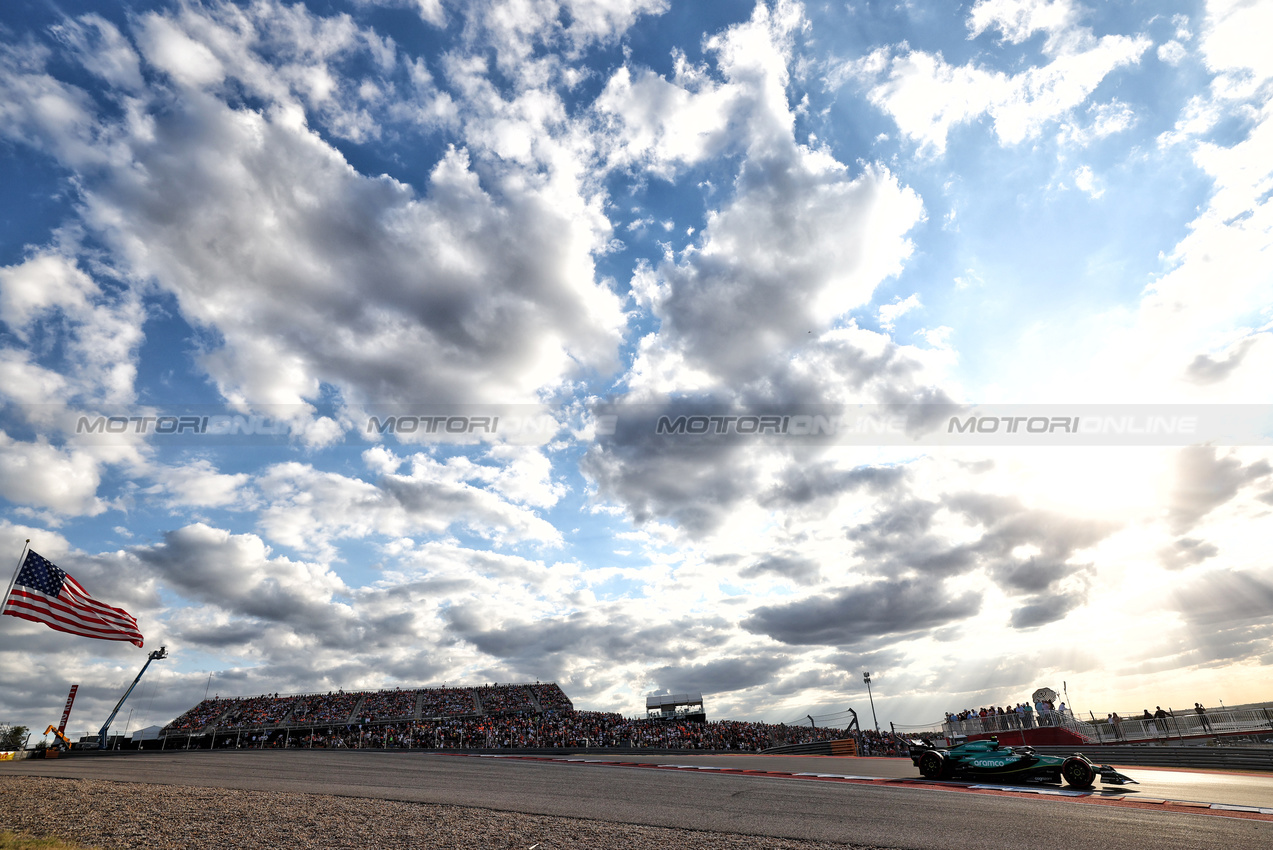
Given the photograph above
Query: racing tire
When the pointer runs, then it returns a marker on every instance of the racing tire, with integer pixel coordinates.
(1078, 772)
(932, 765)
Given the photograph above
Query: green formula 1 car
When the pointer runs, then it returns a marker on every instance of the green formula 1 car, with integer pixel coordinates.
(988, 761)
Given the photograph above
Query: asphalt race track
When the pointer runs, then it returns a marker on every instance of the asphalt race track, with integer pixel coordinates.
(884, 813)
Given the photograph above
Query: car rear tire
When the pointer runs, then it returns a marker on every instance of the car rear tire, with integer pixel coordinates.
(932, 765)
(1078, 772)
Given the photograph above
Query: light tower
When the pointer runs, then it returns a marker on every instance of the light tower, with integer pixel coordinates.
(866, 677)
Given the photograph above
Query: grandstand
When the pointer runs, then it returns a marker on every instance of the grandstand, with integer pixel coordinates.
(272, 711)
(528, 716)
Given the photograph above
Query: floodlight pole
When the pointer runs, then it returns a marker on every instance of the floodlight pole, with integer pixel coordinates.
(866, 677)
(161, 652)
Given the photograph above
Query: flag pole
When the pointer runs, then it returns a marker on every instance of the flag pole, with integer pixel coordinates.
(21, 559)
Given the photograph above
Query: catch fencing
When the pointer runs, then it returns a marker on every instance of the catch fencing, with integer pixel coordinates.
(1254, 723)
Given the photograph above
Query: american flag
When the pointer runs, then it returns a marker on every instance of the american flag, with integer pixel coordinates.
(43, 592)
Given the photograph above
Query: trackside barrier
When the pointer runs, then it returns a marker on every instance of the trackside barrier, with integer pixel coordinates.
(846, 747)
(1219, 758)
(473, 751)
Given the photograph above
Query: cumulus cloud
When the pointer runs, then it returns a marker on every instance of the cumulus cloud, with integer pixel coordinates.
(1027, 549)
(698, 481)
(99, 46)
(1230, 38)
(1227, 612)
(1205, 480)
(604, 20)
(1205, 369)
(721, 675)
(889, 313)
(1186, 552)
(808, 483)
(567, 644)
(928, 97)
(308, 509)
(1197, 332)
(451, 281)
(51, 295)
(1087, 182)
(200, 484)
(240, 575)
(800, 244)
(851, 616)
(1105, 119)
(221, 168)
(748, 313)
(306, 272)
(1033, 556)
(798, 569)
(694, 483)
(71, 347)
(1046, 608)
(1017, 20)
(801, 241)
(1172, 52)
(660, 124)
(42, 284)
(518, 33)
(43, 476)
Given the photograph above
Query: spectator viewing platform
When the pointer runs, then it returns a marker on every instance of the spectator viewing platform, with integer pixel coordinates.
(675, 707)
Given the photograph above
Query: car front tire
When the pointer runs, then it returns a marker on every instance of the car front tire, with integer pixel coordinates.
(1078, 772)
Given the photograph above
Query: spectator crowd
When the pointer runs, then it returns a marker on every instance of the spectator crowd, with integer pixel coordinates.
(445, 702)
(568, 729)
(386, 705)
(490, 716)
(369, 706)
(1023, 715)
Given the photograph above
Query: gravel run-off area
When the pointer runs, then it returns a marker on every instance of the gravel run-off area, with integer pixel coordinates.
(132, 815)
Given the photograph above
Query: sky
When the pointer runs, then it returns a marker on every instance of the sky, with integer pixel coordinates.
(344, 345)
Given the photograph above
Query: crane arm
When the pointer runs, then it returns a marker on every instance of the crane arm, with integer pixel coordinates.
(54, 730)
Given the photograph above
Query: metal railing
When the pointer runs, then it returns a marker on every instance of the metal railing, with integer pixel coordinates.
(1178, 725)
(1186, 724)
(993, 724)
